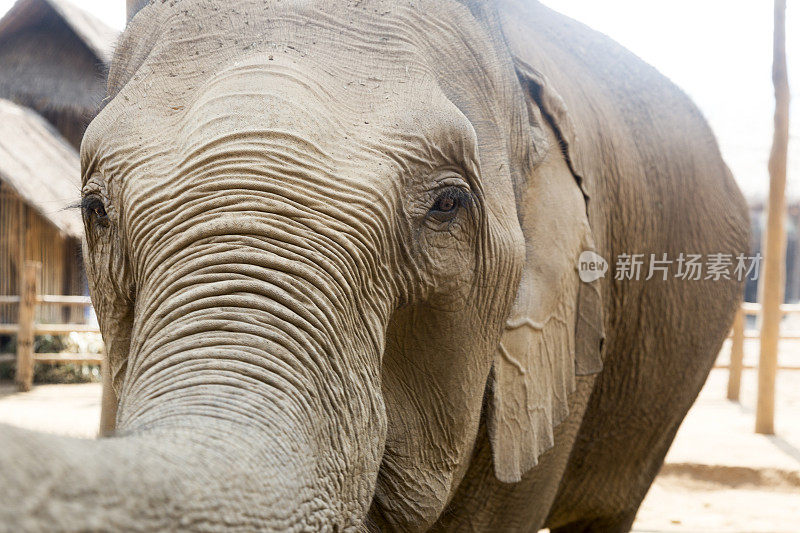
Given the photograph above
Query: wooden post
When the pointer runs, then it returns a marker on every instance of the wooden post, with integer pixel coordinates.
(737, 357)
(27, 307)
(775, 245)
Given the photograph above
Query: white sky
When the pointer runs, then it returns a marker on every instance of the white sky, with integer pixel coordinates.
(718, 51)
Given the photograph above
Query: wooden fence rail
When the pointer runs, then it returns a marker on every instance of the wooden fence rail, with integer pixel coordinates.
(80, 301)
(26, 329)
(738, 336)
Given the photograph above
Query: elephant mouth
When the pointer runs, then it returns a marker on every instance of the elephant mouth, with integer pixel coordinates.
(377, 519)
(388, 510)
(379, 516)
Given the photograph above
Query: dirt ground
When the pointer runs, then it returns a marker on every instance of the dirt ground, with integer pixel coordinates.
(719, 477)
(72, 410)
(682, 504)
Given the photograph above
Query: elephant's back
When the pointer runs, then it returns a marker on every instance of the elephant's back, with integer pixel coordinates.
(657, 185)
(648, 159)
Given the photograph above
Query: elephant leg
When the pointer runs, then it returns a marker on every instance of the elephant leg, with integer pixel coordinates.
(108, 404)
(650, 380)
(616, 457)
(482, 503)
(607, 524)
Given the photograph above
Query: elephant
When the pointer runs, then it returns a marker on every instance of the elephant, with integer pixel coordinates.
(335, 253)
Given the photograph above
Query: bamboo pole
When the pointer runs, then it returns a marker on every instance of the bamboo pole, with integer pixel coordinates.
(737, 357)
(25, 334)
(775, 245)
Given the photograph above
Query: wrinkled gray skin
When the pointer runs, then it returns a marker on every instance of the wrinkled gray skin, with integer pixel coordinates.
(307, 223)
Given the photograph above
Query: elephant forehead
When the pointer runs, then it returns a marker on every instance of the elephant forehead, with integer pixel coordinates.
(267, 98)
(359, 79)
(172, 47)
(260, 110)
(260, 98)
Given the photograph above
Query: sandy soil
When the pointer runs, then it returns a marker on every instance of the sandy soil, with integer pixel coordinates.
(719, 476)
(683, 504)
(72, 410)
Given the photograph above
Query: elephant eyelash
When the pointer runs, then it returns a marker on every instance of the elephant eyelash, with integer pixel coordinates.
(94, 208)
(451, 199)
(448, 204)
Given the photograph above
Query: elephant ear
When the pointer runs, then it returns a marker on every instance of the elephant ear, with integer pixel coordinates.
(555, 329)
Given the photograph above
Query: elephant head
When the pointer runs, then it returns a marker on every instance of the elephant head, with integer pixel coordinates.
(325, 241)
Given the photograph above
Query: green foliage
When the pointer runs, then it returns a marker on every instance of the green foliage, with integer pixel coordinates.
(6, 371)
(66, 373)
(46, 373)
(8, 344)
(49, 344)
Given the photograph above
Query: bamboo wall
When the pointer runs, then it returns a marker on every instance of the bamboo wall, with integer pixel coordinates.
(62, 268)
(70, 124)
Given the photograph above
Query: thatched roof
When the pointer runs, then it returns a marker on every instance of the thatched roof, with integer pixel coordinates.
(93, 32)
(40, 166)
(53, 57)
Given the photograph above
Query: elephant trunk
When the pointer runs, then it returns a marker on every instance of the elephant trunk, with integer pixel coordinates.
(250, 400)
(158, 480)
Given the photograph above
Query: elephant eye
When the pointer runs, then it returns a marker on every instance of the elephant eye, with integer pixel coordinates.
(445, 204)
(94, 210)
(448, 203)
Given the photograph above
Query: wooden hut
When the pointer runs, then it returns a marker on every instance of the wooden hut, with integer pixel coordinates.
(792, 269)
(53, 63)
(54, 59)
(39, 181)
